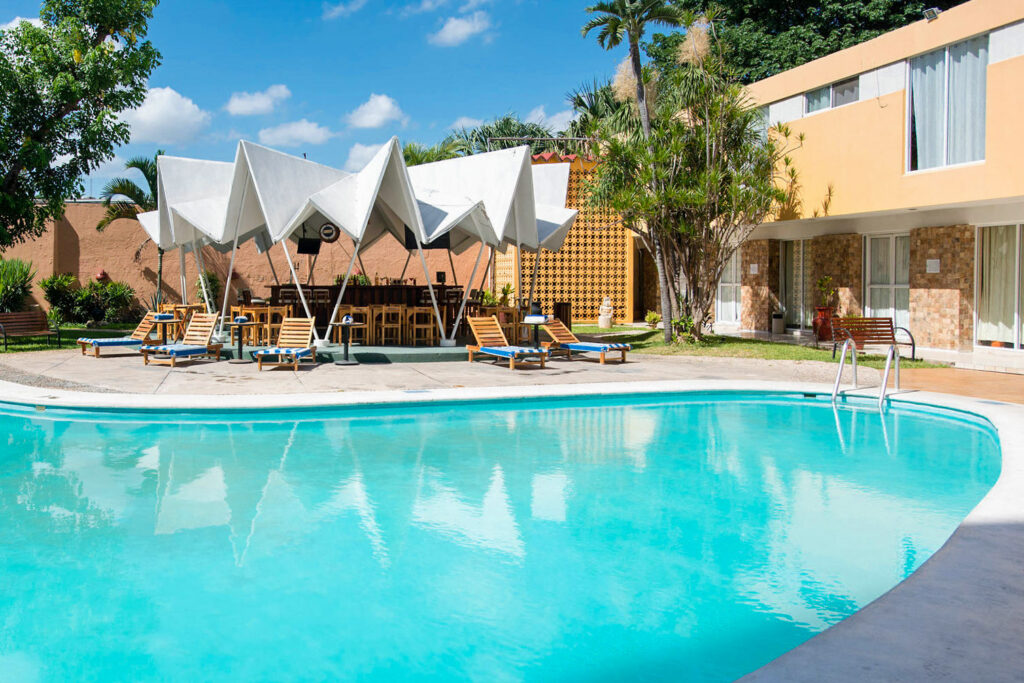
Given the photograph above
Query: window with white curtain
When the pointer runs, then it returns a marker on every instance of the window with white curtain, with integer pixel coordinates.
(889, 278)
(998, 296)
(729, 292)
(947, 105)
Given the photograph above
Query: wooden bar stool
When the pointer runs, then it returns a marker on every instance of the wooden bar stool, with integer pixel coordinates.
(388, 324)
(364, 315)
(421, 326)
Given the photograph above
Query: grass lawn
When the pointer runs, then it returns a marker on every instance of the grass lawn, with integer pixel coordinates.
(650, 341)
(594, 329)
(68, 335)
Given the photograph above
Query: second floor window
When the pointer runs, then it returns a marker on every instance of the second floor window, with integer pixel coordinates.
(947, 105)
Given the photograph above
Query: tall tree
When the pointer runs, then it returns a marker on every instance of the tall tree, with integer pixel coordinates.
(630, 19)
(124, 198)
(62, 85)
(416, 153)
(515, 131)
(767, 37)
(708, 175)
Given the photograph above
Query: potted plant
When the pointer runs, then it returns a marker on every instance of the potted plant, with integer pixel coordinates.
(827, 295)
(652, 319)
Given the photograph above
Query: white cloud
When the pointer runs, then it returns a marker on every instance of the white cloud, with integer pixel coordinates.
(166, 118)
(465, 122)
(457, 30)
(375, 112)
(295, 133)
(421, 7)
(470, 5)
(556, 122)
(342, 9)
(13, 23)
(250, 103)
(359, 155)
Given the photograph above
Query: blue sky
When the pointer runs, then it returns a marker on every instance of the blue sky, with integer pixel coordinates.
(334, 79)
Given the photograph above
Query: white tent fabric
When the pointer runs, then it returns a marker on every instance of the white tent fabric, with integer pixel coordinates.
(551, 189)
(181, 183)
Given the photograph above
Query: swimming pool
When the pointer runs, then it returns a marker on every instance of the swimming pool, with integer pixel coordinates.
(692, 536)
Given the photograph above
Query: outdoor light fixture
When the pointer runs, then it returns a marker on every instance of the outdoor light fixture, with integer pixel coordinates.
(932, 13)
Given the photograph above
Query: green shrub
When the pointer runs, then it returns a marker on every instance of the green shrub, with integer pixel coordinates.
(89, 306)
(59, 292)
(15, 283)
(652, 319)
(212, 285)
(112, 302)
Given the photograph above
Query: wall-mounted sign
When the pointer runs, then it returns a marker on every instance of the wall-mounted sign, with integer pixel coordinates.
(753, 268)
(329, 233)
(931, 265)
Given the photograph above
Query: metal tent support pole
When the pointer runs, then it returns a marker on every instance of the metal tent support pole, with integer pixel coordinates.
(312, 265)
(181, 271)
(451, 261)
(298, 285)
(533, 280)
(433, 297)
(277, 281)
(519, 273)
(487, 270)
(344, 285)
(465, 294)
(202, 275)
(406, 266)
(231, 270)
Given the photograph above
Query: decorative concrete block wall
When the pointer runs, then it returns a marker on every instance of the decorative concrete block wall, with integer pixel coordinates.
(840, 256)
(760, 290)
(942, 303)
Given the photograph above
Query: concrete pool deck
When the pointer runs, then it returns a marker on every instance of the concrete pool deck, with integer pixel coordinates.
(956, 618)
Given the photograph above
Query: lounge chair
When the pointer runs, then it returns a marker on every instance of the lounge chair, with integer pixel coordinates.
(565, 340)
(490, 341)
(195, 343)
(137, 338)
(293, 344)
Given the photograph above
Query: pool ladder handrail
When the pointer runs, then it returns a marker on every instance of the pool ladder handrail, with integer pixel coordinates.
(892, 352)
(847, 345)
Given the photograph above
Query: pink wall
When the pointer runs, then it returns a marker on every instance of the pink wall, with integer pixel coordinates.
(73, 245)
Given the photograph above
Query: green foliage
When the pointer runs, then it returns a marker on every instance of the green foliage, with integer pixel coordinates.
(826, 291)
(357, 279)
(487, 298)
(120, 302)
(506, 294)
(89, 306)
(652, 319)
(62, 86)
(683, 328)
(59, 291)
(416, 154)
(135, 199)
(474, 140)
(212, 286)
(767, 37)
(15, 284)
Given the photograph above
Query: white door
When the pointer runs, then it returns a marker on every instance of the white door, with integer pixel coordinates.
(728, 305)
(888, 278)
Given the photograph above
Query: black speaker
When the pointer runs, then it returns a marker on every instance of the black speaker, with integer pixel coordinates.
(309, 246)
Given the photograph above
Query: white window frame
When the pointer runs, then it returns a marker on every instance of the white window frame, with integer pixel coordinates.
(892, 272)
(831, 96)
(738, 285)
(1018, 338)
(908, 101)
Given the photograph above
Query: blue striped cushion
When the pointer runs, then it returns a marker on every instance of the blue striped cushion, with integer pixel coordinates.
(176, 349)
(113, 341)
(278, 351)
(596, 348)
(512, 351)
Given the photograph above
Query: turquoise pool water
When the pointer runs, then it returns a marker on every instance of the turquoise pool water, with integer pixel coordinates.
(671, 537)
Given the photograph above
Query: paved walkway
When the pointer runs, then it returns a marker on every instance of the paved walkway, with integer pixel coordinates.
(994, 386)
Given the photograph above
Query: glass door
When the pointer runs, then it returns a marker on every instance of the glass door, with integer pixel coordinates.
(889, 278)
(999, 297)
(727, 309)
(796, 292)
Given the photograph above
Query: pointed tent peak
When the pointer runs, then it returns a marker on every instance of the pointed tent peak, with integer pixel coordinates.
(181, 179)
(282, 183)
(150, 222)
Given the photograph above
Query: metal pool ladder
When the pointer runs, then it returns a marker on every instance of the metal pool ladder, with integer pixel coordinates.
(892, 352)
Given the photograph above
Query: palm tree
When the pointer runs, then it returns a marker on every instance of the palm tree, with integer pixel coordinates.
(475, 140)
(416, 154)
(629, 19)
(134, 199)
(595, 105)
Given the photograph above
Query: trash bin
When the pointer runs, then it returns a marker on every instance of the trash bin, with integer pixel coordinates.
(563, 311)
(778, 323)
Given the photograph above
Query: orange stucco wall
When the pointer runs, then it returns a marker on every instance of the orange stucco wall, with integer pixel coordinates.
(74, 246)
(861, 150)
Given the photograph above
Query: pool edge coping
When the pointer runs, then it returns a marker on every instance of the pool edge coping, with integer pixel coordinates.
(855, 647)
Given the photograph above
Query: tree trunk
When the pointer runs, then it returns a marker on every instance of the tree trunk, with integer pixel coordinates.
(159, 276)
(666, 295)
(641, 91)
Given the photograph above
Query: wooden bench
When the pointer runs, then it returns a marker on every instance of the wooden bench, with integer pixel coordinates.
(27, 324)
(869, 331)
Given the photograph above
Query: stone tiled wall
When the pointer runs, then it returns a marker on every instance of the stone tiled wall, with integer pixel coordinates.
(942, 304)
(840, 256)
(760, 291)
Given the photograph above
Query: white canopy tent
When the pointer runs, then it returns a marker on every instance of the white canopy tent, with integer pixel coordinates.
(272, 197)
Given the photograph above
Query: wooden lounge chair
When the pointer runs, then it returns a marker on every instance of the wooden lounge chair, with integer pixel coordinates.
(490, 341)
(293, 344)
(565, 340)
(137, 338)
(196, 343)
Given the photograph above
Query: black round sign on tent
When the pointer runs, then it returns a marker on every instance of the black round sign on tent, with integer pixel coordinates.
(329, 233)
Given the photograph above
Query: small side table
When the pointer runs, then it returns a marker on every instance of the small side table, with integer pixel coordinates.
(536, 321)
(241, 360)
(162, 320)
(346, 329)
